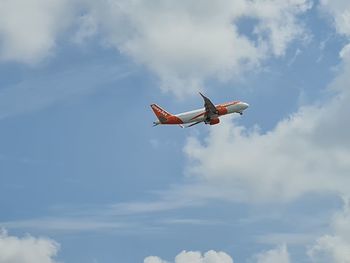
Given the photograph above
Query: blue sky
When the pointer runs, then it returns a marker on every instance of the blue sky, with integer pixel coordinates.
(86, 178)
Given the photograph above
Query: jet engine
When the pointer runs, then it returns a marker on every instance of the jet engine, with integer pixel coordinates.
(214, 121)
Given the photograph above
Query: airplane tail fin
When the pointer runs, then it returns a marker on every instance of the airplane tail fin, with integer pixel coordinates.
(161, 114)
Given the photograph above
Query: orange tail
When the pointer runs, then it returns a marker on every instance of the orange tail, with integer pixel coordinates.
(161, 114)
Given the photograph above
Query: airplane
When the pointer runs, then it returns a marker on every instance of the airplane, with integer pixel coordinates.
(209, 114)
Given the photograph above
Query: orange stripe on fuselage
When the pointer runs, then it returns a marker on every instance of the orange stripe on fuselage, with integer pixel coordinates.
(173, 120)
(222, 109)
(229, 103)
(199, 115)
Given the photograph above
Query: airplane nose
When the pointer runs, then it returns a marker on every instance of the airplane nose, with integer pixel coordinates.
(245, 105)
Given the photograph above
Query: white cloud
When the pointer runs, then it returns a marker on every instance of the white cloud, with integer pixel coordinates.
(279, 21)
(340, 11)
(27, 249)
(306, 152)
(28, 29)
(288, 238)
(153, 259)
(195, 257)
(335, 247)
(330, 249)
(185, 43)
(182, 42)
(345, 52)
(277, 255)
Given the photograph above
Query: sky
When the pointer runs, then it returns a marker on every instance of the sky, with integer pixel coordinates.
(86, 178)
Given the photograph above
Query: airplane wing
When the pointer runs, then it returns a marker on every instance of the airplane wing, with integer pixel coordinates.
(209, 107)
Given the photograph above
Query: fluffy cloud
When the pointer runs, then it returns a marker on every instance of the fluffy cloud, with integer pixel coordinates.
(153, 259)
(185, 43)
(306, 152)
(27, 249)
(182, 42)
(28, 29)
(195, 257)
(278, 255)
(336, 247)
(279, 22)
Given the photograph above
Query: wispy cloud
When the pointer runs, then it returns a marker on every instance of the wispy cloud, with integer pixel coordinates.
(294, 58)
(146, 207)
(277, 255)
(66, 224)
(37, 93)
(190, 221)
(286, 238)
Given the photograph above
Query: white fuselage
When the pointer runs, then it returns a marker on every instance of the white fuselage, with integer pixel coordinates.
(199, 114)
